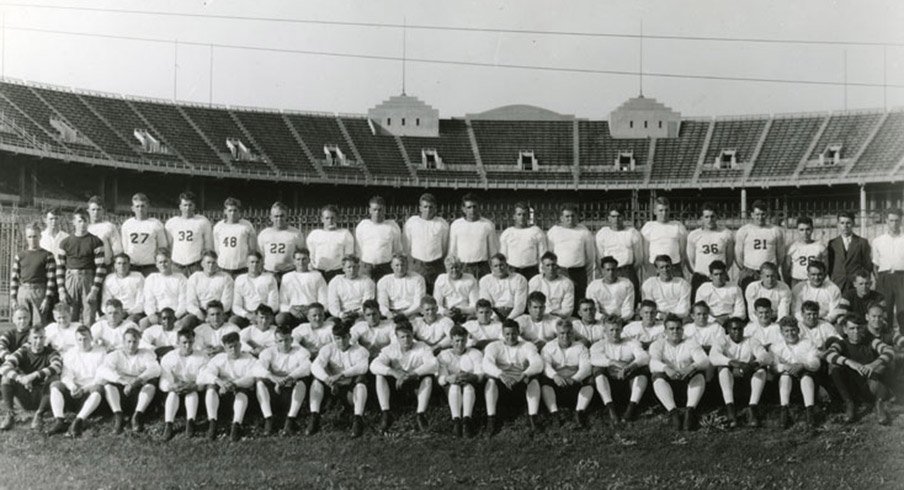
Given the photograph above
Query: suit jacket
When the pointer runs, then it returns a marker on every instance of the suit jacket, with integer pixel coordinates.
(843, 264)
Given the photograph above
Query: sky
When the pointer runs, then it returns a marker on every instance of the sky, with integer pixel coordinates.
(272, 54)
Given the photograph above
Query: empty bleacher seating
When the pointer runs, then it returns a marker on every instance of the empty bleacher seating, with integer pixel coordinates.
(380, 153)
(676, 158)
(849, 130)
(500, 142)
(739, 135)
(885, 150)
(452, 144)
(166, 119)
(218, 126)
(599, 148)
(269, 130)
(786, 143)
(319, 131)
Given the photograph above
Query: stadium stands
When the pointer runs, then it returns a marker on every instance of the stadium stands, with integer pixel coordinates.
(500, 142)
(849, 130)
(218, 126)
(738, 135)
(380, 153)
(270, 131)
(675, 159)
(453, 145)
(786, 143)
(597, 147)
(168, 121)
(885, 150)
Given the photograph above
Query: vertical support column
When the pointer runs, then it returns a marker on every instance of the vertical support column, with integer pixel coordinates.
(863, 210)
(743, 203)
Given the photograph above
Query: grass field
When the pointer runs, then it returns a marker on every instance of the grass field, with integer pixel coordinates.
(641, 455)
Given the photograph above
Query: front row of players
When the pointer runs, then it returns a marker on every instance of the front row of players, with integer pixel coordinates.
(216, 362)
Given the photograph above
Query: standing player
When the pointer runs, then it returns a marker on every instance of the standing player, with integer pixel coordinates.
(142, 236)
(756, 243)
(340, 371)
(133, 372)
(100, 227)
(376, 240)
(472, 238)
(400, 293)
(80, 269)
(672, 294)
(233, 238)
(678, 361)
(802, 252)
(848, 253)
(126, 286)
(179, 370)
(299, 289)
(163, 289)
(566, 374)
(706, 244)
(770, 287)
(78, 383)
(665, 237)
(26, 375)
(888, 260)
(523, 243)
(347, 292)
(190, 235)
(456, 292)
(279, 241)
(574, 246)
(625, 245)
(512, 366)
(558, 289)
(53, 233)
(329, 244)
(460, 371)
(32, 281)
(426, 239)
(252, 289)
(288, 368)
(725, 300)
(204, 286)
(612, 295)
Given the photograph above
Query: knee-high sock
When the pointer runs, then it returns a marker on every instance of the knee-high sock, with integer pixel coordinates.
(604, 389)
(144, 397)
(533, 397)
(468, 397)
(170, 407)
(212, 403)
(695, 388)
(584, 398)
(383, 392)
(316, 396)
(454, 396)
(757, 383)
(726, 382)
(191, 405)
(663, 391)
(7, 390)
(424, 390)
(263, 398)
(90, 405)
(549, 398)
(638, 387)
(57, 402)
(360, 398)
(113, 398)
(784, 389)
(238, 408)
(808, 390)
(298, 393)
(491, 393)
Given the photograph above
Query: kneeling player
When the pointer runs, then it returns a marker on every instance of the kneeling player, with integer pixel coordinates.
(229, 375)
(411, 365)
(340, 369)
(26, 376)
(676, 362)
(861, 369)
(621, 363)
(737, 357)
(131, 372)
(566, 373)
(794, 358)
(78, 383)
(512, 365)
(179, 371)
(460, 370)
(288, 367)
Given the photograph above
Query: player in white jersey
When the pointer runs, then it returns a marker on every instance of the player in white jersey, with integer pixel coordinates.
(611, 294)
(756, 243)
(425, 238)
(190, 235)
(233, 238)
(664, 237)
(802, 252)
(472, 238)
(127, 286)
(460, 372)
(573, 244)
(279, 241)
(522, 243)
(558, 288)
(329, 244)
(103, 229)
(625, 245)
(142, 236)
(376, 240)
(455, 292)
(179, 370)
(706, 244)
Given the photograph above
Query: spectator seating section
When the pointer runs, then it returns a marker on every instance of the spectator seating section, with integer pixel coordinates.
(381, 154)
(885, 150)
(597, 147)
(786, 143)
(500, 142)
(675, 159)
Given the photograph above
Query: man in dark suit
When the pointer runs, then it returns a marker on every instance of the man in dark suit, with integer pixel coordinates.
(848, 253)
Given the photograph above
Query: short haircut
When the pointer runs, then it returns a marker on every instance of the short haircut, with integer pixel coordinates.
(708, 206)
(39, 329)
(84, 330)
(809, 306)
(469, 197)
(846, 214)
(458, 331)
(700, 304)
(452, 260)
(618, 209)
(62, 308)
(400, 256)
(648, 303)
(351, 258)
(893, 211)
(404, 327)
(536, 297)
(768, 266)
(186, 333)
(609, 260)
(586, 301)
(509, 323)
(54, 212)
(215, 304)
(96, 200)
(115, 303)
(377, 200)
(230, 338)
(256, 254)
(167, 309)
(209, 254)
(284, 330)
(301, 251)
(549, 256)
(188, 196)
(22, 309)
(568, 206)
(817, 264)
(370, 304)
(805, 220)
(140, 197)
(521, 205)
(428, 300)
(762, 303)
(854, 318)
(263, 309)
(788, 321)
(427, 197)
(231, 201)
(671, 317)
(662, 200)
(760, 204)
(663, 258)
(165, 252)
(500, 257)
(331, 208)
(342, 329)
(132, 332)
(613, 320)
(81, 213)
(316, 306)
(717, 265)
(862, 273)
(34, 226)
(483, 303)
(279, 205)
(123, 256)
(733, 321)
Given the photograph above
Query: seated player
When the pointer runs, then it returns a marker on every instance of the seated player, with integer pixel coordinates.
(411, 367)
(672, 294)
(288, 370)
(373, 332)
(877, 326)
(163, 289)
(707, 333)
(127, 286)
(298, 289)
(739, 358)
(536, 326)
(725, 300)
(505, 290)
(814, 328)
(262, 334)
(794, 358)
(204, 286)
(108, 331)
(27, 374)
(229, 375)
(340, 371)
(316, 332)
(252, 289)
(209, 336)
(816, 288)
(16, 337)
(512, 366)
(762, 324)
(131, 373)
(78, 383)
(347, 292)
(179, 371)
(622, 364)
(460, 370)
(861, 371)
(60, 333)
(860, 297)
(163, 337)
(770, 287)
(431, 328)
(400, 293)
(611, 294)
(566, 374)
(647, 329)
(485, 328)
(678, 362)
(456, 292)
(587, 327)
(558, 289)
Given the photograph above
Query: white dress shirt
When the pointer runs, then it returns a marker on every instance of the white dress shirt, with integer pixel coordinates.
(209, 337)
(313, 339)
(604, 353)
(727, 350)
(178, 369)
(80, 368)
(433, 334)
(591, 332)
(61, 339)
(827, 295)
(108, 335)
(418, 360)
(123, 368)
(449, 363)
(332, 360)
(479, 332)
(252, 336)
(726, 300)
(707, 335)
(687, 353)
(241, 371)
(803, 352)
(499, 358)
(645, 335)
(374, 338)
(779, 295)
(296, 363)
(155, 337)
(888, 252)
(537, 331)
